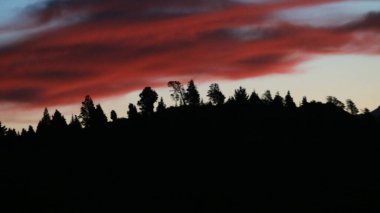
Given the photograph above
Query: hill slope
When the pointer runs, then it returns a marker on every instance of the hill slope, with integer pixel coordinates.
(376, 112)
(232, 158)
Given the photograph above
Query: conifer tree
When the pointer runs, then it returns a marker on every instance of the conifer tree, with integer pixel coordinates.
(351, 107)
(278, 101)
(132, 112)
(113, 116)
(192, 96)
(240, 96)
(100, 118)
(267, 98)
(44, 125)
(161, 105)
(216, 97)
(289, 102)
(254, 99)
(58, 122)
(87, 112)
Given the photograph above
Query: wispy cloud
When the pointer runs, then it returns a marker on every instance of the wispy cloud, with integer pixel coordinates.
(106, 48)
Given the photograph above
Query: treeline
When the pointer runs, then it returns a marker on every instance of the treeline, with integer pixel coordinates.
(245, 153)
(93, 117)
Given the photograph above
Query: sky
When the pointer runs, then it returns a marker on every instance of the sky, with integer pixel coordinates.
(54, 52)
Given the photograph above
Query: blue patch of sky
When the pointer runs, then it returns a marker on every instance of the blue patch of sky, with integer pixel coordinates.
(330, 14)
(11, 9)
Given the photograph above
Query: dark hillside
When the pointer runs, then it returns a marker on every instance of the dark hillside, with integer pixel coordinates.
(200, 159)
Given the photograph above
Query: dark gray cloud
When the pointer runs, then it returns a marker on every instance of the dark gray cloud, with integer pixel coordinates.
(31, 94)
(60, 76)
(370, 22)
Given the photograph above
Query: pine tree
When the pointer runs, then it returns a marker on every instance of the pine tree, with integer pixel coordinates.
(58, 122)
(12, 134)
(24, 133)
(100, 118)
(75, 124)
(132, 112)
(44, 125)
(278, 101)
(334, 101)
(192, 96)
(289, 102)
(267, 98)
(113, 116)
(3, 130)
(366, 111)
(31, 131)
(216, 97)
(254, 99)
(240, 96)
(351, 107)
(304, 101)
(161, 106)
(87, 112)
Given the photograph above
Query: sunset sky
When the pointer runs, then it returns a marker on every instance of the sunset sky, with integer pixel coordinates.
(53, 53)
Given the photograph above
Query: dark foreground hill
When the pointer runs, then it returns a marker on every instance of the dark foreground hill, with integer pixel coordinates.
(376, 112)
(232, 158)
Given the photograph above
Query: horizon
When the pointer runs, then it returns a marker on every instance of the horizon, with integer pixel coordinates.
(53, 53)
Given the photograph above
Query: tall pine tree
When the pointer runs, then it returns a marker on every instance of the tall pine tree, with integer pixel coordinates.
(44, 125)
(192, 96)
(289, 102)
(87, 112)
(240, 96)
(215, 96)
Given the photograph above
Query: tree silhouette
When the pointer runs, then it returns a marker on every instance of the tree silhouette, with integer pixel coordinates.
(267, 98)
(278, 101)
(254, 99)
(147, 99)
(366, 111)
(240, 96)
(289, 102)
(351, 107)
(24, 133)
(31, 131)
(113, 116)
(116, 162)
(177, 92)
(3, 130)
(58, 122)
(161, 105)
(28, 134)
(334, 101)
(75, 124)
(192, 96)
(87, 112)
(304, 101)
(11, 134)
(132, 112)
(44, 124)
(216, 97)
(93, 116)
(100, 118)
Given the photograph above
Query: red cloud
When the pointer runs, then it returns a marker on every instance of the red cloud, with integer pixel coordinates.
(122, 46)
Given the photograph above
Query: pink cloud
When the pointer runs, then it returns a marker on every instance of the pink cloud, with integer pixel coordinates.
(122, 46)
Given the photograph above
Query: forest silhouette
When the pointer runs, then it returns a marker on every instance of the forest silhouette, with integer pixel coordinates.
(247, 153)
